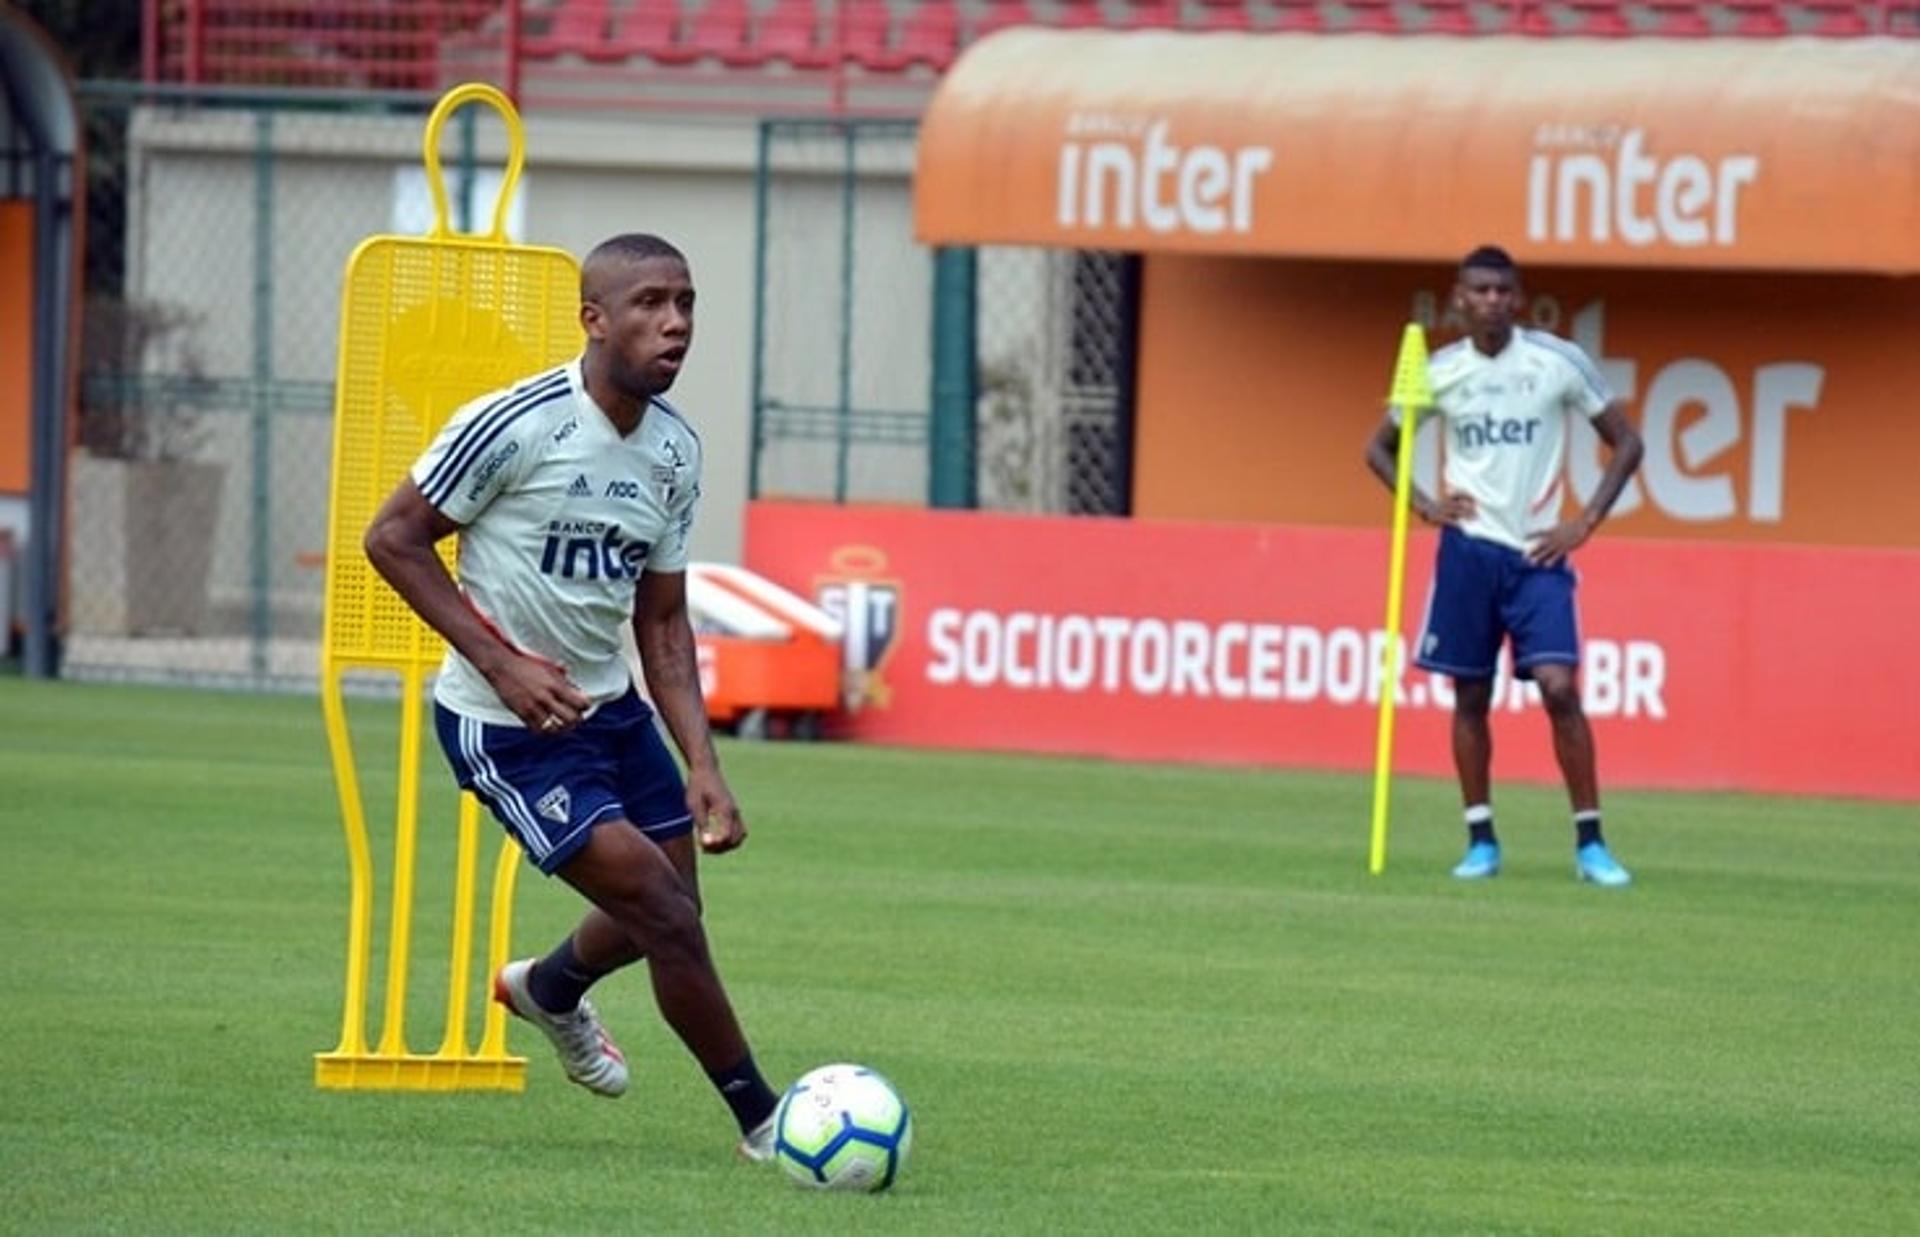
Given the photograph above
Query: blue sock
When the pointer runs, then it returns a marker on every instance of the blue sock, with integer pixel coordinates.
(560, 979)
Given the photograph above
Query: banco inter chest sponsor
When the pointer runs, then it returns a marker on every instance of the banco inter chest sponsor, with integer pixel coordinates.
(1487, 430)
(591, 550)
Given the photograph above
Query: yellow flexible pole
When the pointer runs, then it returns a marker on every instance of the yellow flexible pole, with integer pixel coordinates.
(1411, 393)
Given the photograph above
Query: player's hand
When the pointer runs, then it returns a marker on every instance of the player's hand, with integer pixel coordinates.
(716, 817)
(1553, 546)
(540, 694)
(1451, 509)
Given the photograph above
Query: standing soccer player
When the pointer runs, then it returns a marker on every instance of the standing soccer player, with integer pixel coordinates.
(573, 493)
(1504, 394)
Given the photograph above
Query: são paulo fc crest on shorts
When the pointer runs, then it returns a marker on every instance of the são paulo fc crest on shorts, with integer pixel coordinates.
(868, 607)
(556, 805)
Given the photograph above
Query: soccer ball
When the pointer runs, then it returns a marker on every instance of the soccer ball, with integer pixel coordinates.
(842, 1127)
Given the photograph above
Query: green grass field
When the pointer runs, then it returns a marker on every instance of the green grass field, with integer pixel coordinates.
(1119, 999)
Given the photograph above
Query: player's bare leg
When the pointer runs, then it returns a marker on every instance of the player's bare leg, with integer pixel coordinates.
(1573, 748)
(648, 893)
(1572, 736)
(1473, 738)
(601, 944)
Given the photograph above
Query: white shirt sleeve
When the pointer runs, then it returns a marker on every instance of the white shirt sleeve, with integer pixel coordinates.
(483, 449)
(1587, 390)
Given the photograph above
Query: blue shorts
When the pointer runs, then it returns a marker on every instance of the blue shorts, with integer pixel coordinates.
(549, 791)
(1484, 592)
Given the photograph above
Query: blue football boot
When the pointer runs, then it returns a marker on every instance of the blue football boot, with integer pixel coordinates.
(1482, 860)
(1593, 863)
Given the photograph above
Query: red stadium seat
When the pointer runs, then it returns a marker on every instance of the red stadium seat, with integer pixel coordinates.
(647, 28)
(1078, 15)
(572, 27)
(1683, 19)
(1297, 15)
(1150, 15)
(999, 14)
(1603, 19)
(1841, 18)
(1517, 16)
(790, 31)
(1758, 18)
(1370, 17)
(1225, 15)
(931, 36)
(719, 30)
(862, 30)
(1530, 17)
(1448, 17)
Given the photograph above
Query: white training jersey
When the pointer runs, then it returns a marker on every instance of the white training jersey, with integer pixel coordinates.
(560, 515)
(1505, 419)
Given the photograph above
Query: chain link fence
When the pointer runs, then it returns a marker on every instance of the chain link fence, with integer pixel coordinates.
(843, 346)
(842, 327)
(1054, 378)
(217, 232)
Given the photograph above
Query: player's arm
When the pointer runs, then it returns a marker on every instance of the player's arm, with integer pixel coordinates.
(1623, 440)
(1625, 449)
(399, 543)
(664, 635)
(1383, 458)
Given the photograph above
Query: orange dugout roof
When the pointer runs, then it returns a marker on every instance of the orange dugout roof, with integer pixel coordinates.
(1777, 154)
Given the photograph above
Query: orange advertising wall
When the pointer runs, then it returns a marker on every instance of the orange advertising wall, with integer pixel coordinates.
(16, 345)
(1772, 404)
(1758, 667)
(1737, 154)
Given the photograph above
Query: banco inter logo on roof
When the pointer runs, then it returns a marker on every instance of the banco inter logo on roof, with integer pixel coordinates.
(1598, 183)
(1130, 172)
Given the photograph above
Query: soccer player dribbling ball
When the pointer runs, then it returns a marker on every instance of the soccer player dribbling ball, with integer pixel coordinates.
(1504, 394)
(573, 492)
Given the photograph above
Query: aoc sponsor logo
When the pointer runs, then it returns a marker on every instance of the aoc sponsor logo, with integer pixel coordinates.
(1128, 172)
(1598, 182)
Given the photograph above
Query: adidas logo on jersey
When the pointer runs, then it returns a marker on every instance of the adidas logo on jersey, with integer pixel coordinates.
(581, 487)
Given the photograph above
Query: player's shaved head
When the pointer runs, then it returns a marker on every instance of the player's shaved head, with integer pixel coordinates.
(613, 259)
(1489, 258)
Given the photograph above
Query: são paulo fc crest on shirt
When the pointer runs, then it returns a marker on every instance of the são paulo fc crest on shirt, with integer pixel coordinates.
(666, 475)
(868, 607)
